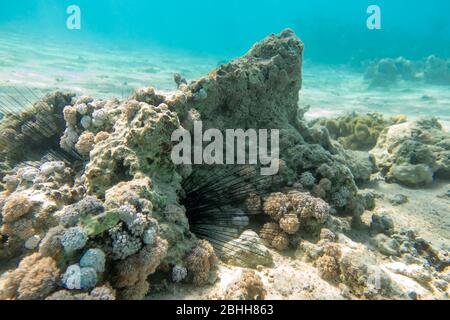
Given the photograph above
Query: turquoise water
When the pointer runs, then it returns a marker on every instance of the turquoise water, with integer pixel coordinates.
(125, 44)
(334, 31)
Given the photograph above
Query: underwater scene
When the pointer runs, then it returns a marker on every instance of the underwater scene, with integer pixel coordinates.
(224, 150)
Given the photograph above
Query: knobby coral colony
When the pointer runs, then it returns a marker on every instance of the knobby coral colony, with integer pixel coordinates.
(108, 211)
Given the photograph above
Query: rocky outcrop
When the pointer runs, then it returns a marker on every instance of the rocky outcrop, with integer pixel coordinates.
(414, 153)
(388, 71)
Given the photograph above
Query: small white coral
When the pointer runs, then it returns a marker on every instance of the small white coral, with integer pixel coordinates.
(82, 108)
(69, 139)
(123, 244)
(76, 278)
(99, 118)
(86, 122)
(179, 273)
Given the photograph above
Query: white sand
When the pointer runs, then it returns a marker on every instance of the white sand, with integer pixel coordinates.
(331, 91)
(93, 70)
(104, 71)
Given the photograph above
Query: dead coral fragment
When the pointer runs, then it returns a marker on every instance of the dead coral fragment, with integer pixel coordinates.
(248, 287)
(200, 262)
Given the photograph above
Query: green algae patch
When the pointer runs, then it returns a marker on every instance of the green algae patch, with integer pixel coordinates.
(359, 132)
(96, 225)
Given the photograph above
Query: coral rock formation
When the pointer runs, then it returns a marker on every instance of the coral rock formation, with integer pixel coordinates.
(96, 222)
(414, 153)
